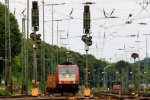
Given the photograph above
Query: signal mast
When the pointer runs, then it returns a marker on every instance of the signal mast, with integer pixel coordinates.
(87, 39)
(36, 40)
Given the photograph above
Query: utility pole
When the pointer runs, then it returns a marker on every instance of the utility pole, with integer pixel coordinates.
(27, 52)
(57, 36)
(52, 62)
(43, 47)
(60, 37)
(23, 54)
(98, 78)
(138, 82)
(6, 44)
(146, 62)
(60, 41)
(52, 45)
(105, 77)
(8, 48)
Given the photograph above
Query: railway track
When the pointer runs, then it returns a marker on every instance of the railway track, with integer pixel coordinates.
(94, 96)
(54, 96)
(46, 98)
(113, 96)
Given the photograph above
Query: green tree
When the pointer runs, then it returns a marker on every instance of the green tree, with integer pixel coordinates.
(15, 34)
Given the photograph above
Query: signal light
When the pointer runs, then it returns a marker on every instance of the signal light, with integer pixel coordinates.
(60, 82)
(84, 38)
(86, 8)
(35, 16)
(35, 4)
(38, 38)
(86, 19)
(33, 36)
(87, 40)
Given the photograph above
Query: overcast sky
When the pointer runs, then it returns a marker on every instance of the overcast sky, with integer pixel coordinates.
(113, 38)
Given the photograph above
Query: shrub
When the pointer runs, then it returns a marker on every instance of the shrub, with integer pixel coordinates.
(4, 93)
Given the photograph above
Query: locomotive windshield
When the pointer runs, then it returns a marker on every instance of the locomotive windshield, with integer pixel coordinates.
(67, 70)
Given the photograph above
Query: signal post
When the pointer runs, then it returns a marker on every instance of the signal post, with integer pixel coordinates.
(36, 40)
(87, 39)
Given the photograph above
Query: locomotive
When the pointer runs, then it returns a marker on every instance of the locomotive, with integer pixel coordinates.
(67, 78)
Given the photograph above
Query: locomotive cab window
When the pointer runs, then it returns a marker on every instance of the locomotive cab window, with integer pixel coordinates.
(67, 70)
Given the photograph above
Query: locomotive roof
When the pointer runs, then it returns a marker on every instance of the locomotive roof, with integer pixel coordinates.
(67, 63)
(67, 66)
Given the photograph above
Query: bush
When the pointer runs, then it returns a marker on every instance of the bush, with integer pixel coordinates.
(4, 93)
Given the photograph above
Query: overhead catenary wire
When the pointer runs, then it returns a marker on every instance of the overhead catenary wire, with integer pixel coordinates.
(110, 28)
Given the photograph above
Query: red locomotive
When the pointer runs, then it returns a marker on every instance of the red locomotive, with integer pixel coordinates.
(67, 78)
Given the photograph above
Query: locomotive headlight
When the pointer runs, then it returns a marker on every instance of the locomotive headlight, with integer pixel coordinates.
(67, 75)
(60, 82)
(74, 82)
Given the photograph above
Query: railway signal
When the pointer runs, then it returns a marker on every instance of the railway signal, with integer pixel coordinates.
(33, 36)
(35, 16)
(87, 40)
(38, 38)
(84, 38)
(134, 56)
(86, 19)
